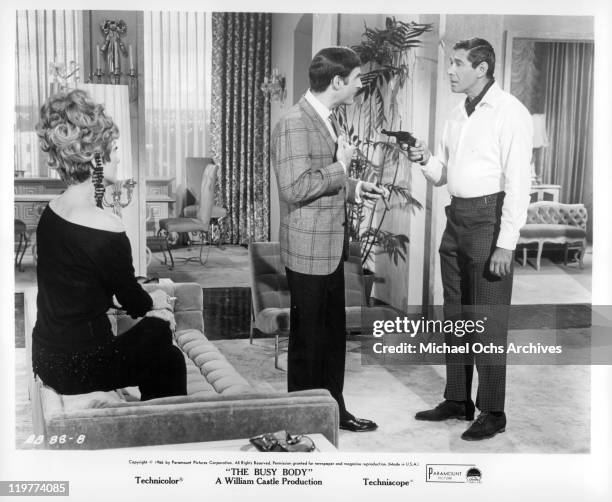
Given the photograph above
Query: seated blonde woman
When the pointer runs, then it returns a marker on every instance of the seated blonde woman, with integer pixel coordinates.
(84, 259)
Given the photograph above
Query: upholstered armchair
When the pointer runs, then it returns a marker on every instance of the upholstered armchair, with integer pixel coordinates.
(271, 300)
(200, 189)
(201, 218)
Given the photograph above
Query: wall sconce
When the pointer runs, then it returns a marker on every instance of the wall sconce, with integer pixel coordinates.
(112, 49)
(274, 86)
(117, 192)
(60, 76)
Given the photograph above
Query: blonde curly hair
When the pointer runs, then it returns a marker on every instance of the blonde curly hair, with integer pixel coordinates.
(73, 130)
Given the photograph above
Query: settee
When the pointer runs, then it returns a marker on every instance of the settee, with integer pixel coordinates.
(220, 404)
(557, 223)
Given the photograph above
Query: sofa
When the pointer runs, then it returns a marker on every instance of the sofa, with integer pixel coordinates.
(557, 223)
(220, 404)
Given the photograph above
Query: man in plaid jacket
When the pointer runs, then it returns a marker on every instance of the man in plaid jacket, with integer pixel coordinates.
(311, 155)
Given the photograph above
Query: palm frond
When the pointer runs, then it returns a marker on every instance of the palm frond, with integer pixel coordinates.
(403, 192)
(385, 53)
(394, 245)
(380, 109)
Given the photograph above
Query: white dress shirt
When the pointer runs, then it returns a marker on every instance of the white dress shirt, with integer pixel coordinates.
(488, 152)
(323, 112)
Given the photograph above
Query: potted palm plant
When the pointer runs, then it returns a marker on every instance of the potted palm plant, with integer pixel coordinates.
(386, 55)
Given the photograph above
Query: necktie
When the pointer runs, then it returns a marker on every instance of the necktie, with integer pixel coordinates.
(335, 124)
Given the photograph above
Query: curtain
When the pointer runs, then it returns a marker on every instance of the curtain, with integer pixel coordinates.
(43, 37)
(526, 82)
(569, 119)
(175, 69)
(240, 122)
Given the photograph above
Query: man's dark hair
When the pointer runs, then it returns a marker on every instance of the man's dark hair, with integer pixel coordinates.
(479, 51)
(330, 62)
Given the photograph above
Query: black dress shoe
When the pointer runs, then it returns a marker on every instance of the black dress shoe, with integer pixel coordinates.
(485, 426)
(463, 410)
(358, 425)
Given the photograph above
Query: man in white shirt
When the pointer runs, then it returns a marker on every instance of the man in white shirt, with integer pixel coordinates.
(310, 156)
(484, 159)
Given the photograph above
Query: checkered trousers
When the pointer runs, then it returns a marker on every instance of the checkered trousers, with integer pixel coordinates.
(472, 292)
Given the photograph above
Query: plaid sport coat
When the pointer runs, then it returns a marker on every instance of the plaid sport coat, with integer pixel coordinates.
(313, 190)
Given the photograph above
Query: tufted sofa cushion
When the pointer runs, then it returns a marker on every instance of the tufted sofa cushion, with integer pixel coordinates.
(219, 375)
(556, 213)
(544, 230)
(548, 220)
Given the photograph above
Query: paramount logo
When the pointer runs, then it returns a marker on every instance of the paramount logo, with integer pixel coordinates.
(447, 473)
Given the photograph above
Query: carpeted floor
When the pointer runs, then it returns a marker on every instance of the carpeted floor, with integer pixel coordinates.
(548, 407)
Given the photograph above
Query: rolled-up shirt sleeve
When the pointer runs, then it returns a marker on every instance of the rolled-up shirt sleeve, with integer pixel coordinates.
(516, 142)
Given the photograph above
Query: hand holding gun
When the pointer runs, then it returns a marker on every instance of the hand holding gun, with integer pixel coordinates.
(403, 138)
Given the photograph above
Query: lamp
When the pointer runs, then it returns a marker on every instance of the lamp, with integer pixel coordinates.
(274, 86)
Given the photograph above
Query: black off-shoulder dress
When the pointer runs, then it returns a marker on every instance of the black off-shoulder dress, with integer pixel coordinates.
(73, 347)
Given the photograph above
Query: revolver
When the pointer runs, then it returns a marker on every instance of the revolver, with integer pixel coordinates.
(403, 138)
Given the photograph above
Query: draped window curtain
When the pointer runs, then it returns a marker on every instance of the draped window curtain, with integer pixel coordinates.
(175, 91)
(240, 122)
(43, 37)
(568, 106)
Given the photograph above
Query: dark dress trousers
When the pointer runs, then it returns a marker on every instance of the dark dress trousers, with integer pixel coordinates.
(472, 292)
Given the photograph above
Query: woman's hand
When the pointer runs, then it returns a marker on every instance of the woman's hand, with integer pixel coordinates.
(161, 300)
(163, 307)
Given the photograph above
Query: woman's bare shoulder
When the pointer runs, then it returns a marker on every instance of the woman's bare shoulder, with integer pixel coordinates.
(90, 216)
(104, 220)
